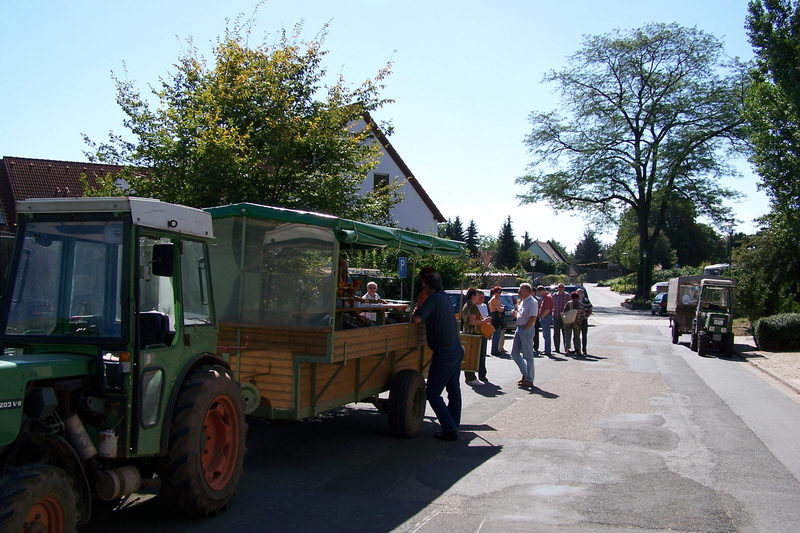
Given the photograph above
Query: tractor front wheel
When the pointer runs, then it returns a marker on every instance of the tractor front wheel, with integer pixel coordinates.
(206, 445)
(406, 407)
(39, 498)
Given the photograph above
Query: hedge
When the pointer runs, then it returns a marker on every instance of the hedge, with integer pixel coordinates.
(778, 332)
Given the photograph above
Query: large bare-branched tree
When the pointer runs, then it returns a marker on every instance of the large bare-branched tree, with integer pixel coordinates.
(647, 116)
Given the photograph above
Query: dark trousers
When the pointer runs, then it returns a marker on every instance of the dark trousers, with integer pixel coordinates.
(470, 376)
(443, 374)
(536, 329)
(559, 332)
(584, 331)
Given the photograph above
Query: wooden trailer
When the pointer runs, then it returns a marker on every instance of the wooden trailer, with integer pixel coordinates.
(284, 303)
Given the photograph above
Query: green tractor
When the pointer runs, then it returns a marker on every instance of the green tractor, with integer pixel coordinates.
(713, 321)
(110, 382)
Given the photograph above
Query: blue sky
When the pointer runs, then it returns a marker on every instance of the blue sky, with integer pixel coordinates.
(466, 75)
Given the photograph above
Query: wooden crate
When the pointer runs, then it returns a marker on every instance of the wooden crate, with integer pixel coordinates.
(472, 352)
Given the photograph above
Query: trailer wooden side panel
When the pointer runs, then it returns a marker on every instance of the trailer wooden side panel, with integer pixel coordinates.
(363, 342)
(298, 340)
(270, 371)
(322, 385)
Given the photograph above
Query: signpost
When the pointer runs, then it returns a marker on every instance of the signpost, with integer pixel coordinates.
(402, 272)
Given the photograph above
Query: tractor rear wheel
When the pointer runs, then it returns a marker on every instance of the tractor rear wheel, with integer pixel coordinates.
(406, 408)
(206, 444)
(38, 497)
(702, 345)
(676, 334)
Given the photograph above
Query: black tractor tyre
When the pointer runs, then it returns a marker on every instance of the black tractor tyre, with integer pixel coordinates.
(676, 334)
(200, 473)
(406, 406)
(729, 351)
(693, 343)
(702, 345)
(38, 497)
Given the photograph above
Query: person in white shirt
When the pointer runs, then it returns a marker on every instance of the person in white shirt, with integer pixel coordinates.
(372, 297)
(522, 350)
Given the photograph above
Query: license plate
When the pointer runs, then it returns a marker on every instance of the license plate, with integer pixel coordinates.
(717, 337)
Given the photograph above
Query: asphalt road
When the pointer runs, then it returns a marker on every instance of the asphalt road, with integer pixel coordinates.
(643, 434)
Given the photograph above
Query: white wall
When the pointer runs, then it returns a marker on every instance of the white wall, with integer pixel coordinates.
(411, 212)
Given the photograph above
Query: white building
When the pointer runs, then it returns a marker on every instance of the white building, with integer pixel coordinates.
(416, 211)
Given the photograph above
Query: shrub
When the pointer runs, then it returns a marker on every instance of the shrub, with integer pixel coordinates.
(778, 332)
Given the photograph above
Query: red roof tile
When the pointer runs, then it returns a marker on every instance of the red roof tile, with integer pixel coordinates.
(22, 178)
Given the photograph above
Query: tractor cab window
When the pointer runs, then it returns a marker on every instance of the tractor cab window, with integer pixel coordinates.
(195, 284)
(157, 314)
(68, 280)
(715, 299)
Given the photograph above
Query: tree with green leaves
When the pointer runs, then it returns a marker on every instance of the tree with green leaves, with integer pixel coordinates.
(624, 250)
(471, 239)
(457, 230)
(527, 242)
(768, 265)
(254, 123)
(588, 249)
(507, 248)
(649, 112)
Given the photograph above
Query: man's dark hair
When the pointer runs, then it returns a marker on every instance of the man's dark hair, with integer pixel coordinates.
(433, 280)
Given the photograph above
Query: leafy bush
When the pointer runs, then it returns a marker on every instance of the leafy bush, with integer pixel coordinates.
(779, 332)
(554, 279)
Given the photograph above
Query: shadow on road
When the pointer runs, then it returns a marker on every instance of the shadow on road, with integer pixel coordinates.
(339, 472)
(489, 390)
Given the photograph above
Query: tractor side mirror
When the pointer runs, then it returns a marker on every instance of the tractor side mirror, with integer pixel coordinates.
(164, 259)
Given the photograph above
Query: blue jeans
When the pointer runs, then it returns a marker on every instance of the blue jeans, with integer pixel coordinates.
(443, 374)
(546, 323)
(498, 338)
(522, 351)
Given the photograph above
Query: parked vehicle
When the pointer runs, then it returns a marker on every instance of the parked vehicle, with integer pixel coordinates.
(659, 304)
(702, 306)
(509, 302)
(713, 323)
(571, 288)
(716, 270)
(111, 381)
(661, 286)
(682, 298)
(132, 350)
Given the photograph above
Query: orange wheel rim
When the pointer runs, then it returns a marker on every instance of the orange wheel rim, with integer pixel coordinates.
(46, 515)
(221, 432)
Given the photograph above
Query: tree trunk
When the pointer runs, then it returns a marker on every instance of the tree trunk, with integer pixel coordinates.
(644, 273)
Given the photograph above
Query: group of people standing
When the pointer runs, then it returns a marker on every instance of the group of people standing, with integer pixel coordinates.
(565, 312)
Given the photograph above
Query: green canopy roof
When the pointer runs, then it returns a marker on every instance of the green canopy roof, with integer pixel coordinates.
(349, 232)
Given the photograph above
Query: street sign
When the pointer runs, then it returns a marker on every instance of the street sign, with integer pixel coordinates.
(402, 267)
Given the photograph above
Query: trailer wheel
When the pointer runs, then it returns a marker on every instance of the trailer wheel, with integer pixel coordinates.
(406, 407)
(702, 345)
(676, 334)
(206, 444)
(39, 498)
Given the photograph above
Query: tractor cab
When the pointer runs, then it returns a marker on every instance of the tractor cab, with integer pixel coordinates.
(107, 326)
(713, 322)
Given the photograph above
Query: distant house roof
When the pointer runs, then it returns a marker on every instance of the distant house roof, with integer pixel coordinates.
(547, 252)
(404, 168)
(22, 178)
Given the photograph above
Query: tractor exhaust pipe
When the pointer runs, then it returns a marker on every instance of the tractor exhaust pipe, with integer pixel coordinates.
(109, 484)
